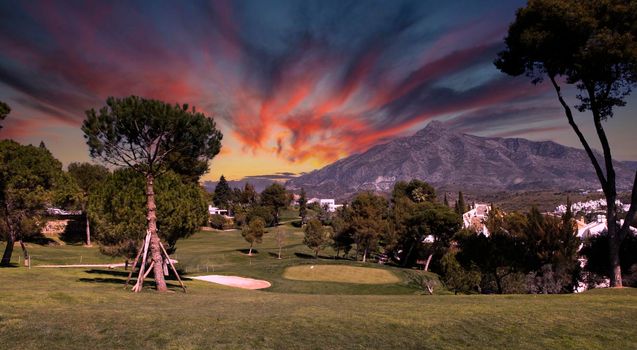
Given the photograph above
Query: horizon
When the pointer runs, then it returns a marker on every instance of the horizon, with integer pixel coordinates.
(293, 86)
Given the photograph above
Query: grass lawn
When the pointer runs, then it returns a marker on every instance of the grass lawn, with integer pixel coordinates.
(340, 273)
(82, 308)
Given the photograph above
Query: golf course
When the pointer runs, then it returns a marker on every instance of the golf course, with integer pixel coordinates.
(311, 304)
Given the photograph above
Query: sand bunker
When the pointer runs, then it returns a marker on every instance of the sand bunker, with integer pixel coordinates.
(235, 281)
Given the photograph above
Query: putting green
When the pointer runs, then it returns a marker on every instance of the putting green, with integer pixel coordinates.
(340, 273)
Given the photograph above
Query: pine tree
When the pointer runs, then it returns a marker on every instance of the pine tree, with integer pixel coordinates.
(302, 206)
(223, 193)
(446, 201)
(460, 205)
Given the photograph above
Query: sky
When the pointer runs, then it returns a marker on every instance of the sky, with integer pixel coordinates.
(293, 85)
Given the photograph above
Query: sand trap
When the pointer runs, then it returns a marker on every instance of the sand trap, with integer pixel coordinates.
(235, 281)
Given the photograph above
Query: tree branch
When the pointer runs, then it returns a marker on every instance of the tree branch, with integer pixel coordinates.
(571, 121)
(601, 134)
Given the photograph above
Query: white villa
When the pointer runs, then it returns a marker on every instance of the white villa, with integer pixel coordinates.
(329, 204)
(475, 218)
(216, 211)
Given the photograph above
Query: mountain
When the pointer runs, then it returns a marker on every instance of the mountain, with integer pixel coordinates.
(451, 160)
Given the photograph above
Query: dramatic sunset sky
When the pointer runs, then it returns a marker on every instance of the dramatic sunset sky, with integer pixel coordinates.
(293, 85)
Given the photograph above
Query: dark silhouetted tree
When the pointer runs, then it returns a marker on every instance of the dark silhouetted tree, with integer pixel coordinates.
(591, 44)
(4, 111)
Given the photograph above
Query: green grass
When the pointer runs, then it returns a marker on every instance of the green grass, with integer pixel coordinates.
(340, 273)
(88, 308)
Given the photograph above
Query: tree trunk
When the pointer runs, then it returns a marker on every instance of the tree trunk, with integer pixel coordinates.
(365, 255)
(614, 243)
(88, 230)
(428, 261)
(27, 258)
(8, 251)
(606, 180)
(408, 256)
(279, 253)
(250, 252)
(498, 282)
(155, 249)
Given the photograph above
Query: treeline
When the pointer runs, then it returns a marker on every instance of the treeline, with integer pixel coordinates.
(523, 253)
(113, 204)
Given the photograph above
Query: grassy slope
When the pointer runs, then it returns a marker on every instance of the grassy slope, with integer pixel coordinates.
(80, 308)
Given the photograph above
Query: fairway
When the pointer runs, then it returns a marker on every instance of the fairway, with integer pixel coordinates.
(79, 308)
(340, 273)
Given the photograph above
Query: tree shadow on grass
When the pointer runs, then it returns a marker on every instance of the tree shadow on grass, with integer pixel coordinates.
(246, 251)
(119, 277)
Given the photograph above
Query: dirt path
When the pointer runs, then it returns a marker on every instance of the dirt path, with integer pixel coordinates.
(110, 266)
(235, 281)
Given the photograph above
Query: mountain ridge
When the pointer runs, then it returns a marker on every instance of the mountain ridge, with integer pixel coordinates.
(452, 160)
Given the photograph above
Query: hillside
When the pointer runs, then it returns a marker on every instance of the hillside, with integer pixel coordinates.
(452, 160)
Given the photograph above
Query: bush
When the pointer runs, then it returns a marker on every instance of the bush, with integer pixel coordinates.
(218, 221)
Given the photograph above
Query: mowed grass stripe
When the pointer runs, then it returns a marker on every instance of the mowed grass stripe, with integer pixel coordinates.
(340, 274)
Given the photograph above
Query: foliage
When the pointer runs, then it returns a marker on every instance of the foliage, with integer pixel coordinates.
(369, 221)
(253, 232)
(457, 278)
(117, 210)
(593, 45)
(275, 197)
(259, 211)
(460, 207)
(151, 136)
(4, 111)
(316, 236)
(302, 206)
(343, 230)
(415, 190)
(544, 248)
(29, 178)
(218, 221)
(249, 195)
(223, 194)
(595, 250)
(413, 221)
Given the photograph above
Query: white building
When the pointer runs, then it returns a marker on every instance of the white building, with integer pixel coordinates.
(328, 203)
(476, 217)
(216, 211)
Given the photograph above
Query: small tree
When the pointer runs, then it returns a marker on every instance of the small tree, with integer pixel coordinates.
(590, 44)
(88, 177)
(4, 111)
(280, 239)
(303, 207)
(253, 232)
(151, 137)
(461, 207)
(316, 236)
